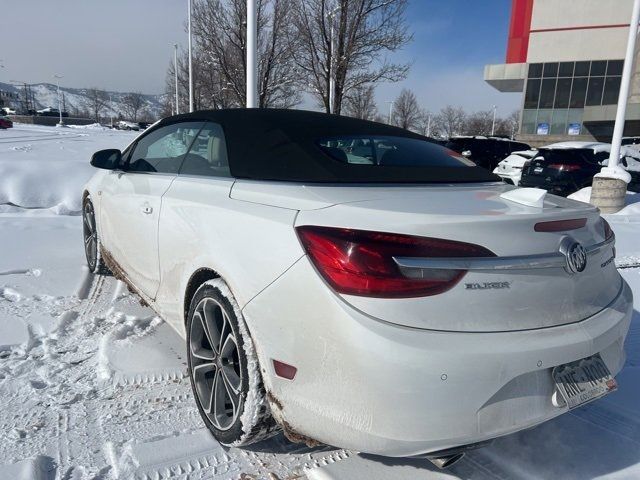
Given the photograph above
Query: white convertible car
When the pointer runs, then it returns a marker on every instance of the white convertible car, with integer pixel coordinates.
(356, 285)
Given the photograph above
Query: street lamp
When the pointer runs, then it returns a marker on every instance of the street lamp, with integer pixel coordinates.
(332, 73)
(175, 73)
(493, 123)
(190, 64)
(609, 187)
(58, 77)
(252, 55)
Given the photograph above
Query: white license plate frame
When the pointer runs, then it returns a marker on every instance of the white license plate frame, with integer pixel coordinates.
(583, 381)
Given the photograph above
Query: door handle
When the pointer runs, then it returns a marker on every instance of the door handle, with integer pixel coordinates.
(146, 209)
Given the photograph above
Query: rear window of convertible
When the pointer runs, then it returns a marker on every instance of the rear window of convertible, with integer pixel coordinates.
(390, 151)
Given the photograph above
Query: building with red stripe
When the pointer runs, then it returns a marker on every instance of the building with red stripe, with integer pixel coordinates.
(566, 58)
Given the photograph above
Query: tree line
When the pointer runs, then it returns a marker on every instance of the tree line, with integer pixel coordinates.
(302, 45)
(131, 106)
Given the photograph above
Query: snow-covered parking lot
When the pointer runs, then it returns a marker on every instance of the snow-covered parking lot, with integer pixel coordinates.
(93, 385)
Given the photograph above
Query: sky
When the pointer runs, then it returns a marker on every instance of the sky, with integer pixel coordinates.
(126, 45)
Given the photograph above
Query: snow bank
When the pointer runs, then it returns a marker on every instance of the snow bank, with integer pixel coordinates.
(46, 167)
(92, 126)
(36, 184)
(632, 201)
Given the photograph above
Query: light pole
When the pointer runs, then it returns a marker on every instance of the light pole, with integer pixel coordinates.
(175, 73)
(332, 73)
(190, 64)
(610, 185)
(111, 110)
(429, 125)
(390, 111)
(493, 123)
(252, 55)
(58, 77)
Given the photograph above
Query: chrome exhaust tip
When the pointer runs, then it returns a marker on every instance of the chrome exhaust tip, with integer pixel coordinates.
(446, 461)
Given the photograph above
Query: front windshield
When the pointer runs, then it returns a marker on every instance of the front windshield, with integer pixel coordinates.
(391, 151)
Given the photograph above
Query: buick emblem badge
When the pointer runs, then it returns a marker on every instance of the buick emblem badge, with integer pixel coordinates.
(575, 254)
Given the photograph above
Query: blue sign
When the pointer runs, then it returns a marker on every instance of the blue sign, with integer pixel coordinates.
(543, 129)
(574, 128)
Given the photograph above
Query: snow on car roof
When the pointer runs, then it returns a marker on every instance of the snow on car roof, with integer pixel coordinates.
(283, 145)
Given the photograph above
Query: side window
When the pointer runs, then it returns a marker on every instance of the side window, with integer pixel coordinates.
(208, 154)
(162, 150)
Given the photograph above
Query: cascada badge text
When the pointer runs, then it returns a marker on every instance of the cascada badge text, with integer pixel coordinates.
(576, 258)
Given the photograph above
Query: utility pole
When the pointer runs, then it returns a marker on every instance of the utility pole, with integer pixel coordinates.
(252, 55)
(190, 64)
(175, 73)
(429, 125)
(58, 77)
(610, 185)
(493, 123)
(390, 111)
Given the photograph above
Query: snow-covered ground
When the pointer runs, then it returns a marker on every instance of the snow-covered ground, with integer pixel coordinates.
(93, 385)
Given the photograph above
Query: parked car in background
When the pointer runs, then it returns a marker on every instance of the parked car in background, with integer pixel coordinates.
(566, 167)
(9, 111)
(356, 284)
(143, 125)
(510, 169)
(5, 123)
(126, 125)
(48, 112)
(485, 152)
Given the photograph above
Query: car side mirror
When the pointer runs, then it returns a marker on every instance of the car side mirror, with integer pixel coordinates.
(107, 159)
(466, 153)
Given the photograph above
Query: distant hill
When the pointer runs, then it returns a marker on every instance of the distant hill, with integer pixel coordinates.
(46, 95)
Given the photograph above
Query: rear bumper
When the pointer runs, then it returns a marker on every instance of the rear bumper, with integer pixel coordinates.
(512, 178)
(380, 388)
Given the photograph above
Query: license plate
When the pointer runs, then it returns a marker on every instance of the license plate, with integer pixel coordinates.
(538, 169)
(584, 380)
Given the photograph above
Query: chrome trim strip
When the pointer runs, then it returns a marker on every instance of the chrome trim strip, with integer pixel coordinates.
(409, 265)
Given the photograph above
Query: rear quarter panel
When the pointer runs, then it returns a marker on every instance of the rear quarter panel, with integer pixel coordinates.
(247, 244)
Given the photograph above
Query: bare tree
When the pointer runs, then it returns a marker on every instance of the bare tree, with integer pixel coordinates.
(508, 126)
(95, 102)
(348, 40)
(479, 123)
(220, 56)
(450, 121)
(132, 103)
(361, 103)
(426, 123)
(406, 111)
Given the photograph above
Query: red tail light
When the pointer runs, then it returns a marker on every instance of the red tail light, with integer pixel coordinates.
(565, 167)
(608, 232)
(358, 262)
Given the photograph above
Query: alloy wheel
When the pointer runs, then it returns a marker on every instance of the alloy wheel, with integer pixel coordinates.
(90, 235)
(215, 364)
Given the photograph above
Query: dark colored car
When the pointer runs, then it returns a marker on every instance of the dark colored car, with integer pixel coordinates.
(485, 152)
(5, 123)
(563, 171)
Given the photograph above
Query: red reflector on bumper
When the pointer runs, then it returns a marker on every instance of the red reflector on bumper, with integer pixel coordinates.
(284, 370)
(560, 225)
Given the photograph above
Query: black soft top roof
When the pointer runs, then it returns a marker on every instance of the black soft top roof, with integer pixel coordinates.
(279, 144)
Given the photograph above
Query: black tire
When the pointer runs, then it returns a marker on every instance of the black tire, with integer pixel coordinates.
(252, 422)
(91, 240)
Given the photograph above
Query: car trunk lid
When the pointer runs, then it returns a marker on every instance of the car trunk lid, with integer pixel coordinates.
(485, 299)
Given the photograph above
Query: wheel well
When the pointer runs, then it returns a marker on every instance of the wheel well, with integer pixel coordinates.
(198, 278)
